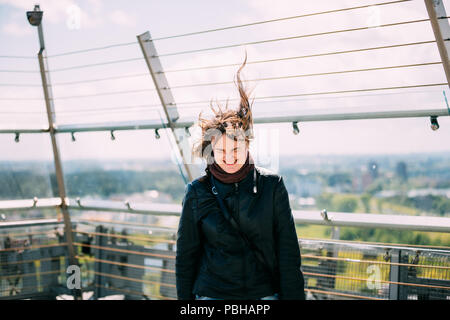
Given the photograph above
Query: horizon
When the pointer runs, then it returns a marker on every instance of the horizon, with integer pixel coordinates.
(417, 153)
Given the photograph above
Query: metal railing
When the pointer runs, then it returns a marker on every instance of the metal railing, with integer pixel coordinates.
(311, 217)
(137, 261)
(33, 259)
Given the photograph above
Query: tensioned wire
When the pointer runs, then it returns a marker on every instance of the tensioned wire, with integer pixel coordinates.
(263, 79)
(217, 66)
(220, 65)
(297, 76)
(306, 273)
(227, 28)
(228, 46)
(151, 107)
(288, 38)
(154, 106)
(230, 82)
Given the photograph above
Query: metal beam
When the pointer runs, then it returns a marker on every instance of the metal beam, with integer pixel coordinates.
(122, 125)
(48, 95)
(344, 219)
(24, 130)
(441, 30)
(157, 209)
(168, 103)
(186, 123)
(372, 220)
(355, 115)
(29, 204)
(366, 245)
(29, 223)
(119, 226)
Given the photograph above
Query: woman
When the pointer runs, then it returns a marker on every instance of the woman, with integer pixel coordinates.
(251, 252)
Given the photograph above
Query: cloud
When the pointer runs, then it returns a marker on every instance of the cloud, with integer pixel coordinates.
(15, 29)
(62, 12)
(54, 11)
(122, 18)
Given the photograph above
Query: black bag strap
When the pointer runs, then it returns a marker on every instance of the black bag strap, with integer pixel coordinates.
(234, 224)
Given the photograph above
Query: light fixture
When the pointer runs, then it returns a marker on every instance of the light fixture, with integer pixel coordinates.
(35, 200)
(324, 214)
(434, 123)
(35, 17)
(295, 128)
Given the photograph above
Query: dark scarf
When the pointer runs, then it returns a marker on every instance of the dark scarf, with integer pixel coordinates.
(226, 177)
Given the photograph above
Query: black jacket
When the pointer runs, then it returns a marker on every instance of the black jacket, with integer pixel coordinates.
(212, 260)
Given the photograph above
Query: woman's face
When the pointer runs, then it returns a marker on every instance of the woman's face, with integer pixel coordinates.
(230, 154)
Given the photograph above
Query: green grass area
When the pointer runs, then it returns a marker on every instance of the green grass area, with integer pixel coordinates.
(313, 231)
(376, 235)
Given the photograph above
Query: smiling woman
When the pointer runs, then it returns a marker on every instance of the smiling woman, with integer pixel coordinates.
(236, 234)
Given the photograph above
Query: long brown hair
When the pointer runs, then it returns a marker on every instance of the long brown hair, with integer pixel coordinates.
(237, 124)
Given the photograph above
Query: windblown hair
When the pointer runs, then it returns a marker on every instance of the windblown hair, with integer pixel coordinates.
(237, 124)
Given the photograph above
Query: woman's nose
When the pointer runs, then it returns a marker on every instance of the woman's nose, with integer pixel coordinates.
(229, 159)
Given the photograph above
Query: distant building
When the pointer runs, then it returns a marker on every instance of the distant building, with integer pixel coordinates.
(401, 170)
(305, 186)
(366, 179)
(356, 183)
(309, 202)
(372, 168)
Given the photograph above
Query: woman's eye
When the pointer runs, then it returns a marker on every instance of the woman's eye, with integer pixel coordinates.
(232, 152)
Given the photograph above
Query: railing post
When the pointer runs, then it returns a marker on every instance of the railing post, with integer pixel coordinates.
(48, 95)
(398, 273)
(441, 30)
(403, 290)
(394, 275)
(335, 233)
(99, 281)
(167, 102)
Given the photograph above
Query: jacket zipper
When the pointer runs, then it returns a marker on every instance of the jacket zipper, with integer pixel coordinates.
(236, 190)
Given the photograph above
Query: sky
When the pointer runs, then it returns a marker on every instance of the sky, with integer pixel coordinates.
(71, 26)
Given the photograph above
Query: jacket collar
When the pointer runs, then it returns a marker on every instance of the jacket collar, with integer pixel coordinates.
(225, 189)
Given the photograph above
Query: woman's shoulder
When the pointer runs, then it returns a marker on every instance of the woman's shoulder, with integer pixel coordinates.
(265, 172)
(268, 174)
(197, 186)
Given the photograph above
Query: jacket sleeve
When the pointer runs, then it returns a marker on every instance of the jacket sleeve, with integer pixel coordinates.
(286, 244)
(188, 246)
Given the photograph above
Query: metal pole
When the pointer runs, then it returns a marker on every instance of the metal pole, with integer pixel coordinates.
(48, 95)
(146, 124)
(394, 275)
(441, 30)
(168, 102)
